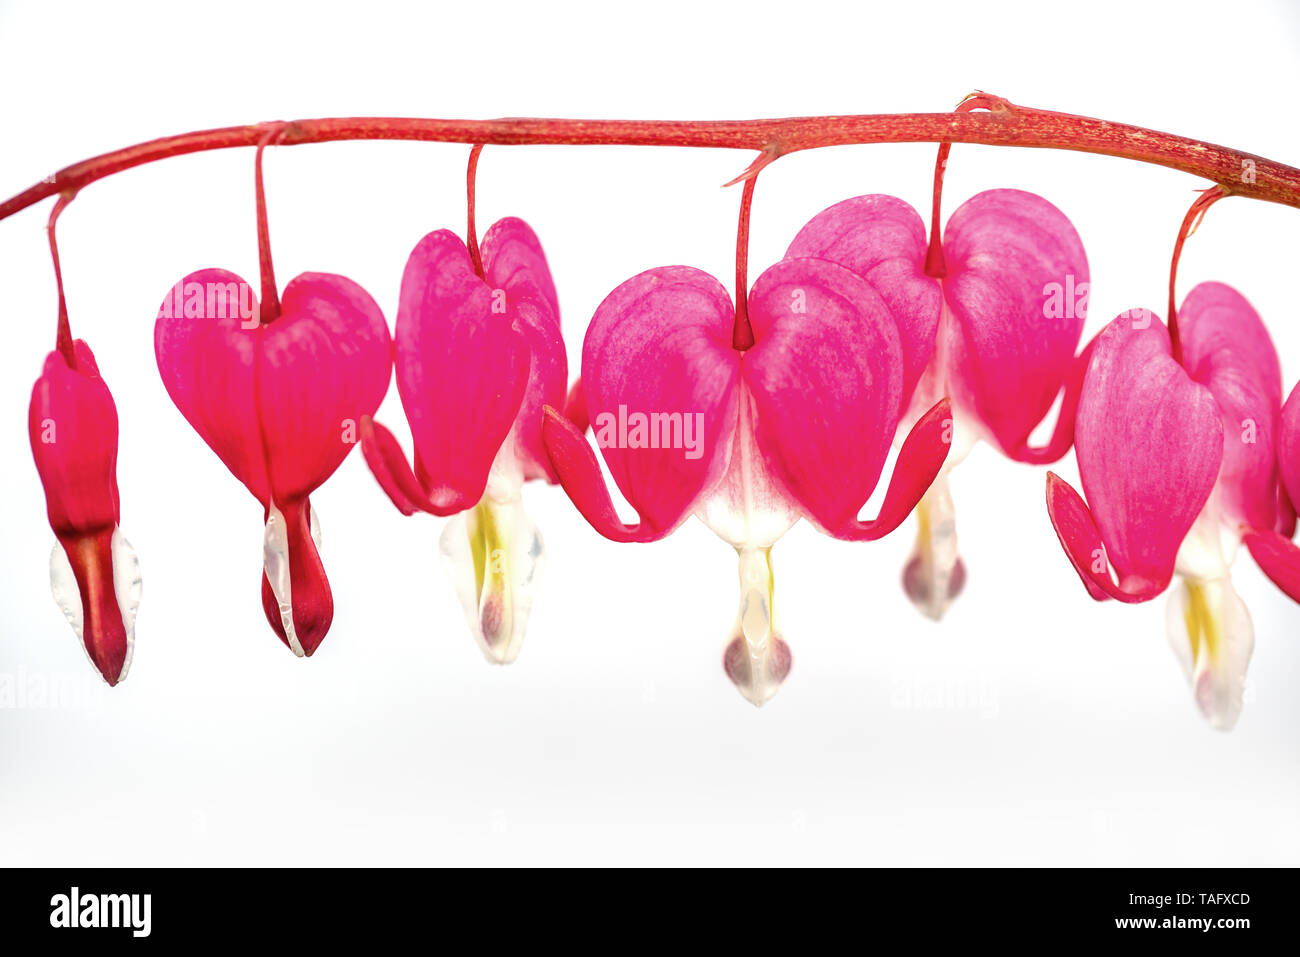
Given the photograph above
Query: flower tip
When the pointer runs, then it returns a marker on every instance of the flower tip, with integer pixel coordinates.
(757, 674)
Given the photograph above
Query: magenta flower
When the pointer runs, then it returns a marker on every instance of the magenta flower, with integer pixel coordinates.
(280, 401)
(996, 334)
(94, 574)
(1176, 454)
(750, 440)
(477, 358)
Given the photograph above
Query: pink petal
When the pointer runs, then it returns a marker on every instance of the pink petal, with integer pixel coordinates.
(1063, 435)
(659, 344)
(1149, 442)
(1278, 557)
(1226, 348)
(1077, 532)
(1288, 446)
(461, 370)
(283, 399)
(825, 372)
(579, 473)
(389, 466)
(919, 461)
(325, 363)
(513, 261)
(513, 258)
(883, 240)
(575, 407)
(1017, 288)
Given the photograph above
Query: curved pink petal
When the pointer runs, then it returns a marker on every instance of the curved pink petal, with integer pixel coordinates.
(513, 258)
(462, 369)
(1077, 532)
(1279, 558)
(883, 240)
(1017, 287)
(1288, 446)
(656, 361)
(388, 464)
(1063, 435)
(825, 372)
(579, 474)
(513, 262)
(919, 461)
(1226, 348)
(575, 407)
(1149, 443)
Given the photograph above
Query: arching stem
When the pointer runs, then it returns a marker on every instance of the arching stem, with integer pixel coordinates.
(471, 232)
(1191, 221)
(63, 339)
(270, 292)
(935, 267)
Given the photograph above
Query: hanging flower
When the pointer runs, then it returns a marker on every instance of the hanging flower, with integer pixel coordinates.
(477, 358)
(1175, 446)
(280, 400)
(750, 438)
(94, 573)
(992, 321)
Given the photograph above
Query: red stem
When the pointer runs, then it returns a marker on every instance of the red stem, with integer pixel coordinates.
(1191, 221)
(471, 234)
(270, 292)
(742, 336)
(934, 264)
(63, 339)
(1006, 125)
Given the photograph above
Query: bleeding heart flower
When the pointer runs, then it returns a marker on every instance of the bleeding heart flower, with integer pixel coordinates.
(1176, 454)
(94, 574)
(996, 333)
(280, 402)
(749, 440)
(477, 358)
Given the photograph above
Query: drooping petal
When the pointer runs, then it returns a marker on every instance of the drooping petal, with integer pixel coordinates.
(1288, 447)
(1017, 288)
(1278, 557)
(1063, 435)
(388, 464)
(883, 240)
(514, 263)
(660, 380)
(579, 473)
(825, 373)
(1226, 348)
(462, 370)
(1149, 442)
(72, 423)
(919, 462)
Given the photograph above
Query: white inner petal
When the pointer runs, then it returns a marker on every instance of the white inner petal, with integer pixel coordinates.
(275, 559)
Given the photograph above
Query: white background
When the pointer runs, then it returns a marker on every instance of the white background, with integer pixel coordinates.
(1031, 727)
